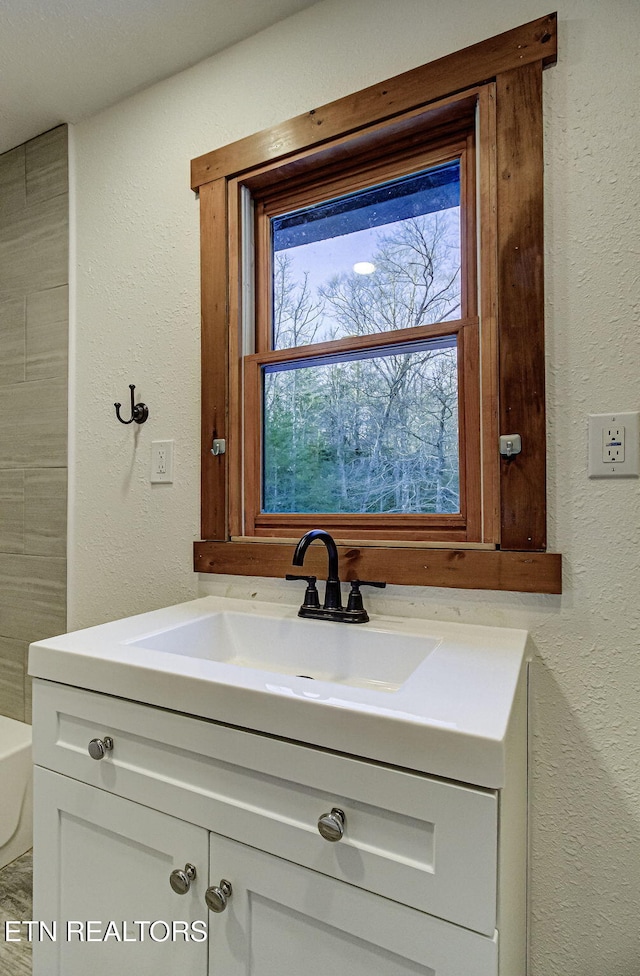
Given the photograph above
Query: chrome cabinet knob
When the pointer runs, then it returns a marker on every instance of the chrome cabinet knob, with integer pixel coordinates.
(98, 748)
(180, 880)
(331, 825)
(218, 896)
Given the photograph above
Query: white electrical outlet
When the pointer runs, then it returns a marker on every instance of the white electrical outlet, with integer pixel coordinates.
(161, 462)
(614, 445)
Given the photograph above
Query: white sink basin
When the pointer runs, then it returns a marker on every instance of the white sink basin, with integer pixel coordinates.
(430, 696)
(345, 654)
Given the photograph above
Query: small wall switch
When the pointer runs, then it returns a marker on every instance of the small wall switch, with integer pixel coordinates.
(161, 462)
(614, 445)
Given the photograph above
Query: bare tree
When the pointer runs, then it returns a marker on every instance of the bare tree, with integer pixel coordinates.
(296, 316)
(372, 433)
(416, 281)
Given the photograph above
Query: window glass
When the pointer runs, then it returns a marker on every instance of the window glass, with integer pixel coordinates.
(380, 259)
(363, 432)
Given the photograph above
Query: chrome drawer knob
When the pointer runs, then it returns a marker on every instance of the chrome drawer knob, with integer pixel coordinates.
(180, 881)
(331, 825)
(98, 748)
(217, 897)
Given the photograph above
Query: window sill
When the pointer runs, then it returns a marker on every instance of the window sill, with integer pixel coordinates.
(464, 568)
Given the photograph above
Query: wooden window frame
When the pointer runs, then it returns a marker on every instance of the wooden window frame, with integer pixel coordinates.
(459, 527)
(503, 78)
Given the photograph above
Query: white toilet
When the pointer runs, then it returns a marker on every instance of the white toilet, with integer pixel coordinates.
(16, 791)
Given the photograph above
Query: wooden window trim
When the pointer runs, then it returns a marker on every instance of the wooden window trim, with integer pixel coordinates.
(272, 201)
(512, 317)
(532, 43)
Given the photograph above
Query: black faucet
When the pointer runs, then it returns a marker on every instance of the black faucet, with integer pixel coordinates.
(332, 595)
(332, 608)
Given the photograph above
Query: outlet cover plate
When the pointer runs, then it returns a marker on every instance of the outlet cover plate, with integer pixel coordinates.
(628, 426)
(161, 462)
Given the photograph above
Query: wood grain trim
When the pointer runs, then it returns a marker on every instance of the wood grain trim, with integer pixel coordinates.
(469, 350)
(234, 339)
(521, 305)
(469, 426)
(403, 529)
(532, 42)
(488, 314)
(443, 120)
(264, 278)
(378, 543)
(215, 367)
(374, 340)
(517, 307)
(523, 572)
(468, 229)
(387, 164)
(252, 445)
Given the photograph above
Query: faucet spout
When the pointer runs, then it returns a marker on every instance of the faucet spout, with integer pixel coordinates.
(332, 598)
(332, 608)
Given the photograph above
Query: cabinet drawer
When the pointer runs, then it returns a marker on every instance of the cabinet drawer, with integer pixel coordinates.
(416, 840)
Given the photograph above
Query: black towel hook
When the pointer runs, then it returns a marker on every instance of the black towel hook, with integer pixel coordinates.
(139, 411)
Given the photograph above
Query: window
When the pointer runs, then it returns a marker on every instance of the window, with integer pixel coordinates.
(354, 389)
(372, 321)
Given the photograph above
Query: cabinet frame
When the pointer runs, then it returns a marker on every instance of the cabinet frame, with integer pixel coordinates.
(420, 840)
(241, 787)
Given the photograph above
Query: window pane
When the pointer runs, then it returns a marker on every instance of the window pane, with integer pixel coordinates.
(381, 259)
(375, 432)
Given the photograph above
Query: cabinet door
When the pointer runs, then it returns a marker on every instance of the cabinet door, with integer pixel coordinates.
(100, 859)
(286, 920)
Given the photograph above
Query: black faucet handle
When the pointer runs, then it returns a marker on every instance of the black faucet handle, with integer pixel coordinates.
(311, 598)
(355, 597)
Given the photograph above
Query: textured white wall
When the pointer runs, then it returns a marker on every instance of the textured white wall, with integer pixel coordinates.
(137, 320)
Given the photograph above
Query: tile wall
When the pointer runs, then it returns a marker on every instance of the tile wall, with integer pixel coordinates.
(34, 325)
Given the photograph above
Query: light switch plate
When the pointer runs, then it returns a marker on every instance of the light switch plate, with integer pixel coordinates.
(614, 445)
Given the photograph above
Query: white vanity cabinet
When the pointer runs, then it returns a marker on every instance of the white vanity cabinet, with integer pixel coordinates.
(428, 877)
(99, 858)
(288, 921)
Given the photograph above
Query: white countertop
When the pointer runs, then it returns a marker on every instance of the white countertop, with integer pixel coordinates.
(449, 717)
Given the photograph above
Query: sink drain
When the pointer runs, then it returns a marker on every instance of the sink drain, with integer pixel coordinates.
(307, 676)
